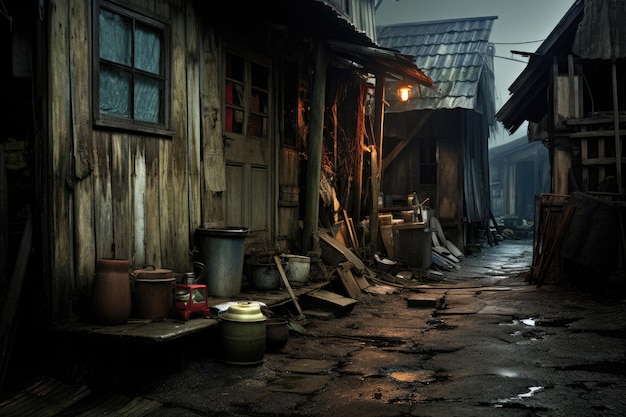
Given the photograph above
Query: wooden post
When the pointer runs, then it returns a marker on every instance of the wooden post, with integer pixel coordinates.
(618, 139)
(314, 150)
(377, 157)
(358, 174)
(375, 187)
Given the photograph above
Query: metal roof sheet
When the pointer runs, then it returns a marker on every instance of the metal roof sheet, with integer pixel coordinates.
(350, 42)
(455, 54)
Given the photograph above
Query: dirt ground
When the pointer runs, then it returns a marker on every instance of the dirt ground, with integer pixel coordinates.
(492, 345)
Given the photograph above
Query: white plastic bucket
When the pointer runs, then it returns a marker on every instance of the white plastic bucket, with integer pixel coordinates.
(298, 268)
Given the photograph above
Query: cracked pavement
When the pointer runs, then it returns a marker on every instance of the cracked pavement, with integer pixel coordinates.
(497, 346)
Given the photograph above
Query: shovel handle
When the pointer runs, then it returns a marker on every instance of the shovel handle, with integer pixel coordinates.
(286, 282)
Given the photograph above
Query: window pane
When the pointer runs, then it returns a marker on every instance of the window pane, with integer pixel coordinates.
(234, 93)
(115, 37)
(234, 67)
(234, 120)
(259, 101)
(260, 76)
(258, 126)
(114, 92)
(148, 49)
(147, 99)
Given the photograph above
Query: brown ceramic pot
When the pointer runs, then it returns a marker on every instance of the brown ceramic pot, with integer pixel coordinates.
(276, 333)
(111, 291)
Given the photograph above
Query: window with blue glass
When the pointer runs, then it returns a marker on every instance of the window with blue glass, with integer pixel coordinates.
(131, 77)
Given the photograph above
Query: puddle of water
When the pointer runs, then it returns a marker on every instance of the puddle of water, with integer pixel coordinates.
(554, 322)
(530, 393)
(528, 322)
(511, 401)
(531, 322)
(424, 377)
(507, 373)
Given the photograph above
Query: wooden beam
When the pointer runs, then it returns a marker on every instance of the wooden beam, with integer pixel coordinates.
(597, 134)
(618, 139)
(314, 157)
(358, 174)
(593, 121)
(288, 286)
(400, 146)
(377, 157)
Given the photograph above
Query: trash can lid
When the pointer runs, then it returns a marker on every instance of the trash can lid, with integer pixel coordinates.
(230, 231)
(244, 311)
(153, 273)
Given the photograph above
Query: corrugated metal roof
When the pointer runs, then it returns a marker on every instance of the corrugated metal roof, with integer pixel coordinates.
(347, 40)
(455, 54)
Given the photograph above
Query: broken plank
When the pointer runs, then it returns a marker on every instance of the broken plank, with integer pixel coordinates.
(361, 281)
(380, 289)
(286, 282)
(347, 280)
(333, 245)
(351, 233)
(328, 300)
(425, 300)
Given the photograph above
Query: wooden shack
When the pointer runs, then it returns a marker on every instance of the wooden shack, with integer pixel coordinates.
(436, 143)
(129, 124)
(571, 93)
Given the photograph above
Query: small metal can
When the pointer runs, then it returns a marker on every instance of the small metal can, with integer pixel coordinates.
(189, 278)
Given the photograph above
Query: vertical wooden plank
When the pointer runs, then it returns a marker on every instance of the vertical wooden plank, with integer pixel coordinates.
(601, 155)
(584, 154)
(138, 185)
(315, 139)
(561, 166)
(61, 248)
(618, 139)
(193, 119)
(102, 196)
(152, 212)
(358, 172)
(288, 216)
(213, 167)
(572, 93)
(84, 243)
(150, 200)
(121, 192)
(449, 179)
(173, 157)
(154, 236)
(79, 18)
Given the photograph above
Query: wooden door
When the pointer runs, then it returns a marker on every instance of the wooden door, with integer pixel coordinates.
(249, 147)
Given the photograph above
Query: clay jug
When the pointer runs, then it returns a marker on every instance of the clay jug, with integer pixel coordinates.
(112, 292)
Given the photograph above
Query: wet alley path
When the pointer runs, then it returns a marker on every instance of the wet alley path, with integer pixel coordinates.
(498, 346)
(492, 346)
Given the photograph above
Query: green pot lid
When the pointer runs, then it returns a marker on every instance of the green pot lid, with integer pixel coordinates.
(244, 311)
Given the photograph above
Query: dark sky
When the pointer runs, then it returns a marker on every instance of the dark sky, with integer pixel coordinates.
(519, 24)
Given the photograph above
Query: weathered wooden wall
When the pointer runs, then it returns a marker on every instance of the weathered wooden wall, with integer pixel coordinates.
(125, 195)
